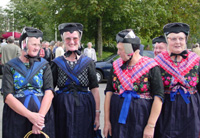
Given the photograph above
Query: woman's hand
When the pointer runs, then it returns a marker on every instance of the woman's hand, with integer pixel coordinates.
(107, 129)
(95, 93)
(36, 119)
(148, 132)
(155, 112)
(107, 125)
(36, 130)
(96, 122)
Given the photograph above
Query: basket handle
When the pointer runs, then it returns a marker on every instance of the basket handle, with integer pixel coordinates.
(30, 132)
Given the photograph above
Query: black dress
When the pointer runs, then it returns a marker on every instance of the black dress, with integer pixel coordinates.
(180, 115)
(146, 86)
(74, 104)
(14, 82)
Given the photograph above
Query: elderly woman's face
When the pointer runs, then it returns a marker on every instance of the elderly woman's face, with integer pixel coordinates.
(33, 46)
(121, 52)
(71, 40)
(176, 42)
(89, 45)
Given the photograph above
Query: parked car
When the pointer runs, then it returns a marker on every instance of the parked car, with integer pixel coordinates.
(103, 66)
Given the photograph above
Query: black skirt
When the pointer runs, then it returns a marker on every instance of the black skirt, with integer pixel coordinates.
(16, 126)
(137, 118)
(72, 120)
(178, 119)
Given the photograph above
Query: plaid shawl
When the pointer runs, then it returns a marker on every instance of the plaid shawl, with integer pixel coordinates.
(178, 72)
(128, 77)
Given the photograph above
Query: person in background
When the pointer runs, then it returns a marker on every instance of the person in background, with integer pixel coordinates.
(77, 109)
(9, 51)
(17, 43)
(180, 75)
(41, 53)
(134, 91)
(51, 45)
(48, 53)
(4, 42)
(196, 49)
(28, 91)
(90, 52)
(1, 67)
(54, 49)
(159, 44)
(59, 50)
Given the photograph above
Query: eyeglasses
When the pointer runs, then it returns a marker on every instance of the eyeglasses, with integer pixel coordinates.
(174, 39)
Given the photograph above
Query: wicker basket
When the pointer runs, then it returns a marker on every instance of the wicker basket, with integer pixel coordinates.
(30, 132)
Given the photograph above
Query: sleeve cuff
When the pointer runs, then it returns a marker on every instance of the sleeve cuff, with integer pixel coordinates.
(160, 98)
(53, 91)
(105, 91)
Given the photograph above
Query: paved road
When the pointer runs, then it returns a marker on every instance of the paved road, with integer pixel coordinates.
(102, 87)
(101, 90)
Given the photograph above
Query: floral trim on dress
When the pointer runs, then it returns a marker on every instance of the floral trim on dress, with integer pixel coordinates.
(191, 77)
(127, 77)
(178, 72)
(19, 80)
(141, 85)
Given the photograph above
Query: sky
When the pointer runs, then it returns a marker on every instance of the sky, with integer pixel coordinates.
(3, 3)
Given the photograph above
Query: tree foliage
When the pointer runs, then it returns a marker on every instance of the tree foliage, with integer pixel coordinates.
(145, 17)
(3, 22)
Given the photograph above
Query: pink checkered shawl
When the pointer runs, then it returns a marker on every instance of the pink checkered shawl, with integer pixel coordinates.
(178, 72)
(128, 77)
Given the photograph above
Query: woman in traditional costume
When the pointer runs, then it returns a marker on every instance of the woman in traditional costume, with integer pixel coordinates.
(134, 91)
(76, 108)
(28, 91)
(180, 75)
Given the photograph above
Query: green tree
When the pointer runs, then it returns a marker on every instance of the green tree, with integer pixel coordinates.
(3, 22)
(103, 19)
(30, 13)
